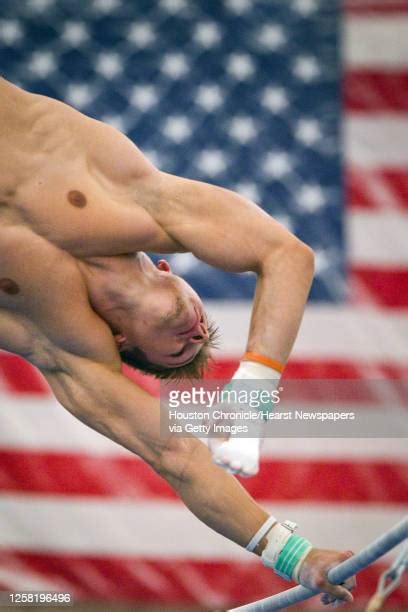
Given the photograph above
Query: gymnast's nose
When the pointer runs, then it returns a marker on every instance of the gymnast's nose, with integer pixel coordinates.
(200, 332)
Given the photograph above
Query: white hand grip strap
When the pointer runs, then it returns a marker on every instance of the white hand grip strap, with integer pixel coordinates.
(253, 543)
(277, 538)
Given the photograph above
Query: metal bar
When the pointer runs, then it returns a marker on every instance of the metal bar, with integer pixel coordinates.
(337, 574)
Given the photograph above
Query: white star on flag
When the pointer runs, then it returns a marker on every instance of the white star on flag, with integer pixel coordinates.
(240, 66)
(79, 94)
(209, 96)
(177, 128)
(211, 161)
(242, 129)
(277, 164)
(311, 197)
(42, 63)
(271, 37)
(75, 33)
(10, 31)
(207, 34)
(141, 34)
(109, 65)
(306, 68)
(308, 131)
(143, 96)
(275, 99)
(175, 65)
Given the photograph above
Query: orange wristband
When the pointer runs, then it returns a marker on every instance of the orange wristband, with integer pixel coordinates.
(271, 363)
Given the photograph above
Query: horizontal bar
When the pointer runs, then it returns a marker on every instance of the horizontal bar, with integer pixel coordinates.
(337, 574)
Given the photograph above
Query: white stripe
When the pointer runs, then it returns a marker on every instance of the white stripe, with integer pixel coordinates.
(327, 332)
(377, 140)
(376, 42)
(168, 530)
(360, 449)
(378, 239)
(33, 423)
(43, 425)
(20, 578)
(360, 334)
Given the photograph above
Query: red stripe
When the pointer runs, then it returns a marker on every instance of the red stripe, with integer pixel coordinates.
(172, 581)
(387, 287)
(375, 91)
(323, 369)
(384, 7)
(21, 377)
(279, 480)
(377, 189)
(18, 375)
(335, 481)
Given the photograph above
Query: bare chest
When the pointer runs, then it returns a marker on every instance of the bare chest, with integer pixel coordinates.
(74, 210)
(44, 304)
(68, 178)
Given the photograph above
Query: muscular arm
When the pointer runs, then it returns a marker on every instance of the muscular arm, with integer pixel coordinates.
(227, 231)
(100, 396)
(107, 401)
(103, 398)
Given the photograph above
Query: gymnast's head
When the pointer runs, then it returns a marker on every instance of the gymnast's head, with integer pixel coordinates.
(157, 319)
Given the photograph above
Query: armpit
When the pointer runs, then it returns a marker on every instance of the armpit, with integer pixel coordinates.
(20, 336)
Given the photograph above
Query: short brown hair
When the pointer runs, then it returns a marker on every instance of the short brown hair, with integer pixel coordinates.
(136, 358)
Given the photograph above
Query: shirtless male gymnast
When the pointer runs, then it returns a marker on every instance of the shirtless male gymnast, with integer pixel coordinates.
(78, 204)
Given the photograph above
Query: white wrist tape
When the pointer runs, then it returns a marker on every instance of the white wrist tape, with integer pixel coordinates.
(250, 370)
(260, 374)
(253, 543)
(276, 540)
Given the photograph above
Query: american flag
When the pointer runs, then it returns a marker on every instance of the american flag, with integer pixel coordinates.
(302, 106)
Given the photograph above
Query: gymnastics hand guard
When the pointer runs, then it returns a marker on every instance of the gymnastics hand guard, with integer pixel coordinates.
(241, 456)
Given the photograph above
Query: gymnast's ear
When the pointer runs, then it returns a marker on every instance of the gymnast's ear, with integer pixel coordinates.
(163, 265)
(120, 340)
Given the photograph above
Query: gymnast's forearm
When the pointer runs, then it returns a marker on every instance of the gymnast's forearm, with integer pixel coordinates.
(282, 288)
(213, 495)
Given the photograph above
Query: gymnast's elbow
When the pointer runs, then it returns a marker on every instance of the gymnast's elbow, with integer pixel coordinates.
(177, 460)
(291, 250)
(306, 256)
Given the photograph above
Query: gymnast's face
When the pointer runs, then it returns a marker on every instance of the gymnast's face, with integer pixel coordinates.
(169, 324)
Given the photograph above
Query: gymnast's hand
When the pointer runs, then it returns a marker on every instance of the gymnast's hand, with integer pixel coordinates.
(313, 575)
(239, 456)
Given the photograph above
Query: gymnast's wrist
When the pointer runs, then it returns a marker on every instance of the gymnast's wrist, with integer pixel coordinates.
(290, 559)
(254, 366)
(283, 550)
(265, 374)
